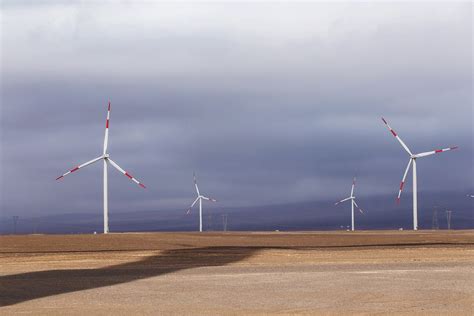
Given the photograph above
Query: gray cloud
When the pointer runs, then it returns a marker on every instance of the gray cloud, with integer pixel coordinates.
(268, 103)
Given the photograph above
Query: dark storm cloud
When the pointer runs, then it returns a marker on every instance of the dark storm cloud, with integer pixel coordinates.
(268, 103)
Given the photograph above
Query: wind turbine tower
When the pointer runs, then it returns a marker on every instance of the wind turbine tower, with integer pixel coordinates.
(199, 199)
(105, 157)
(353, 203)
(412, 161)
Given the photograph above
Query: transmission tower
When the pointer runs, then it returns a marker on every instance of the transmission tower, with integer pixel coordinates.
(448, 218)
(434, 221)
(15, 222)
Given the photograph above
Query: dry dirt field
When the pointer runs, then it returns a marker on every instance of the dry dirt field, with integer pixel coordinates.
(330, 273)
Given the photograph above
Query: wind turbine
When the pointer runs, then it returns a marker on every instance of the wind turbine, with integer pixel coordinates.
(106, 158)
(199, 198)
(353, 203)
(412, 161)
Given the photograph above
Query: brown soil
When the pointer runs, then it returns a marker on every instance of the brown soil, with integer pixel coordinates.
(425, 272)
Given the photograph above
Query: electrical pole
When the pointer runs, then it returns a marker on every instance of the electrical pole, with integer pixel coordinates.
(15, 221)
(35, 226)
(434, 221)
(209, 222)
(448, 218)
(224, 222)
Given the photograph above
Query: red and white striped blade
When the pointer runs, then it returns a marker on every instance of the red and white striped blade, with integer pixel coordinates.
(343, 200)
(360, 210)
(437, 151)
(402, 184)
(209, 199)
(353, 186)
(128, 175)
(189, 209)
(106, 137)
(80, 166)
(397, 137)
(195, 184)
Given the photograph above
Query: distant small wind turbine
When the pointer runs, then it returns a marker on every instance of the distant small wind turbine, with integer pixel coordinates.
(199, 198)
(412, 160)
(471, 195)
(353, 203)
(106, 158)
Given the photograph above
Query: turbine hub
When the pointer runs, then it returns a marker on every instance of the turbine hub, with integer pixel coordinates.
(106, 156)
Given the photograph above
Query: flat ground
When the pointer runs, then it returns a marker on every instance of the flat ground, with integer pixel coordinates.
(382, 272)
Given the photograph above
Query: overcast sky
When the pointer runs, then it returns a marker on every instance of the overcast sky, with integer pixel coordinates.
(269, 103)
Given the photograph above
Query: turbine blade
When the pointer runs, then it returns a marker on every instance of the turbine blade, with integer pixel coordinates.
(195, 184)
(189, 209)
(403, 181)
(397, 137)
(208, 199)
(360, 210)
(106, 137)
(353, 185)
(80, 166)
(437, 151)
(126, 173)
(343, 200)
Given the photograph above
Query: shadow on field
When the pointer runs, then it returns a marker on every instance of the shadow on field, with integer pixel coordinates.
(22, 287)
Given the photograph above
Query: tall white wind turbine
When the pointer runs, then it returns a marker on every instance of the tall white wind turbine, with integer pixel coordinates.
(106, 158)
(412, 161)
(353, 203)
(199, 198)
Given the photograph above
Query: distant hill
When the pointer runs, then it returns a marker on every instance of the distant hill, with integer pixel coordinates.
(381, 213)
